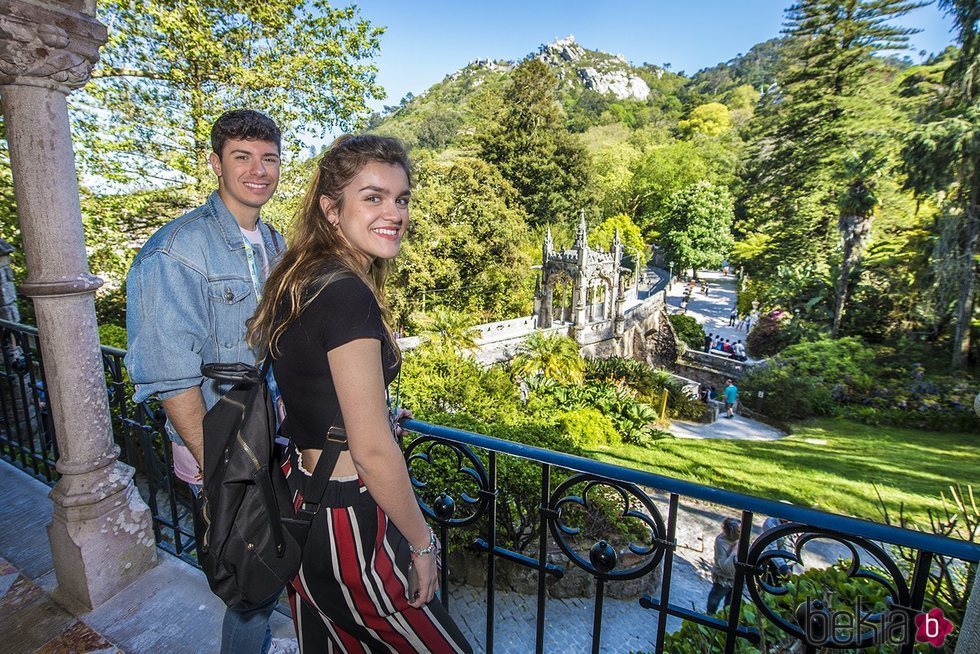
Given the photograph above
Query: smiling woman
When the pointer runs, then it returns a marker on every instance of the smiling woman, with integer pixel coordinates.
(369, 573)
(372, 212)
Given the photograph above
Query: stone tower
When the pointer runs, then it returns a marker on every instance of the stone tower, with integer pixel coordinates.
(581, 287)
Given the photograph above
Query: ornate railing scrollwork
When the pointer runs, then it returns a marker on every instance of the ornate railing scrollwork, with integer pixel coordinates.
(816, 621)
(468, 480)
(603, 558)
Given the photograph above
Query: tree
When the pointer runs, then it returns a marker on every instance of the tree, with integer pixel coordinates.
(629, 234)
(612, 172)
(695, 229)
(549, 354)
(666, 169)
(453, 330)
(942, 156)
(534, 151)
(468, 246)
(831, 96)
(710, 119)
(9, 226)
(857, 205)
(170, 69)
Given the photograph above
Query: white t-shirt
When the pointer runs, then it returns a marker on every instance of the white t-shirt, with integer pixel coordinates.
(255, 238)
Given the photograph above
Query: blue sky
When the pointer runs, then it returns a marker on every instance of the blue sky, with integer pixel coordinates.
(428, 39)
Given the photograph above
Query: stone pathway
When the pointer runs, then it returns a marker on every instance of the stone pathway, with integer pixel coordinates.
(711, 310)
(737, 428)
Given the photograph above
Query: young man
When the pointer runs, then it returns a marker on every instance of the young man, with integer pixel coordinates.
(189, 292)
(731, 397)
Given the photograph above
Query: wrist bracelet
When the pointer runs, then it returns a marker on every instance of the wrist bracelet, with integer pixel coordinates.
(428, 549)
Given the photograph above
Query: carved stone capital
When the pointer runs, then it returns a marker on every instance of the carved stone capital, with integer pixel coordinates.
(42, 46)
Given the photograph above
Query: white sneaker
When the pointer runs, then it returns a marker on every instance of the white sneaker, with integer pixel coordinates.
(284, 646)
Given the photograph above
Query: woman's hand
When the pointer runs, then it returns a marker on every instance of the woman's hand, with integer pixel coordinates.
(396, 419)
(428, 575)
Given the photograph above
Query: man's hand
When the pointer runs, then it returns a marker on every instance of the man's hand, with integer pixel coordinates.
(186, 412)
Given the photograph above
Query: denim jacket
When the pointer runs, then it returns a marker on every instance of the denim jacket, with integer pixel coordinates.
(189, 293)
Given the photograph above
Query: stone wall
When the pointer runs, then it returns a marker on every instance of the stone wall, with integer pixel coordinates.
(723, 364)
(709, 369)
(647, 336)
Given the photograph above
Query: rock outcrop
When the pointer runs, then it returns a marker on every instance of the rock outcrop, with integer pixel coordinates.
(599, 72)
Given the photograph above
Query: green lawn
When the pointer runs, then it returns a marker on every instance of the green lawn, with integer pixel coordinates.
(830, 464)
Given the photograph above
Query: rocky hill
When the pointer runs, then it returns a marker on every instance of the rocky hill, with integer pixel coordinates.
(436, 118)
(597, 71)
(596, 88)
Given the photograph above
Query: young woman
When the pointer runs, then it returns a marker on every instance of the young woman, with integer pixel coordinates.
(323, 320)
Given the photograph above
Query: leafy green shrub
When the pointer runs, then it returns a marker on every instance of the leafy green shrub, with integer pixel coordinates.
(112, 335)
(649, 383)
(811, 378)
(849, 378)
(908, 398)
(831, 585)
(437, 379)
(927, 419)
(688, 330)
(786, 395)
(587, 427)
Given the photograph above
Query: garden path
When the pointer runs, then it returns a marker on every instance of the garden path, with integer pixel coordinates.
(737, 428)
(711, 310)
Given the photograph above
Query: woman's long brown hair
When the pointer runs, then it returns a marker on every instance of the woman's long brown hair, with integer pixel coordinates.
(317, 250)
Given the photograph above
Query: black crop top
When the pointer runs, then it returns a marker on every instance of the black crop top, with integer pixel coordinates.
(343, 312)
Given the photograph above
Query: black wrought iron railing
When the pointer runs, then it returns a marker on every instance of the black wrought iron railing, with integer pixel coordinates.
(572, 488)
(27, 437)
(548, 513)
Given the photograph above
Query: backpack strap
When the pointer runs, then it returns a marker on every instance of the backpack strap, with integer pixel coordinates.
(316, 485)
(336, 442)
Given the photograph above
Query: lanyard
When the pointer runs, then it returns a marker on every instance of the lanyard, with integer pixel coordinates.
(253, 269)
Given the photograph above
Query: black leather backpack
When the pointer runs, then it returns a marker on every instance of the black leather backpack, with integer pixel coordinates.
(242, 545)
(249, 537)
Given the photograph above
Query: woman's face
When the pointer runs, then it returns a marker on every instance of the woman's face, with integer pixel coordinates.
(374, 213)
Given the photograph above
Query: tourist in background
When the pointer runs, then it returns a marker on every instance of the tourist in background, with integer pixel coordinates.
(723, 570)
(738, 351)
(781, 568)
(731, 397)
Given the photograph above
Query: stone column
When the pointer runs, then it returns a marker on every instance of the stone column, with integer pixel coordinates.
(101, 535)
(619, 319)
(969, 638)
(579, 305)
(545, 305)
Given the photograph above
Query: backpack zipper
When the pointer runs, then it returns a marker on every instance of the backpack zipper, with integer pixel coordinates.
(207, 521)
(248, 451)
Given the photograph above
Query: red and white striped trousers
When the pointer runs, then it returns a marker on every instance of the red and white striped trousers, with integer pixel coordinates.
(350, 593)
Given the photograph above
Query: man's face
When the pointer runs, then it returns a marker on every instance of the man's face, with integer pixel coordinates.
(248, 173)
